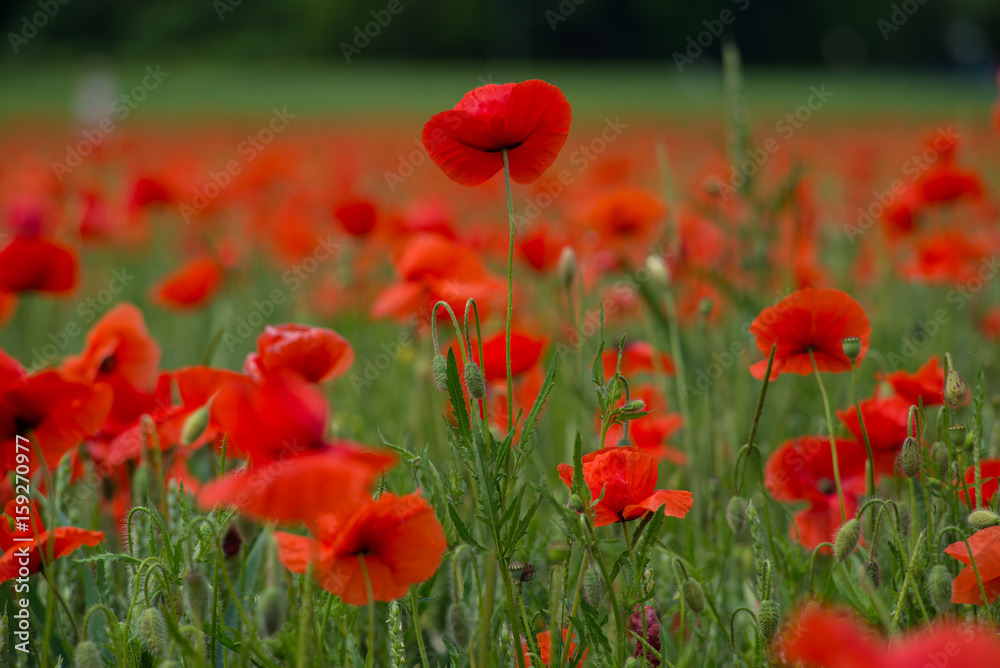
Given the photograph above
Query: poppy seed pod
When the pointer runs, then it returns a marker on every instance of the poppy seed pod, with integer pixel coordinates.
(736, 514)
(955, 388)
(939, 587)
(908, 460)
(847, 539)
(593, 587)
(271, 611)
(958, 434)
(474, 380)
(852, 347)
(982, 518)
(694, 596)
(567, 266)
(768, 619)
(439, 368)
(86, 655)
(458, 624)
(871, 574)
(153, 632)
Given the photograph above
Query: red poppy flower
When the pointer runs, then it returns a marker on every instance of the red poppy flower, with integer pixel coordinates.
(58, 413)
(628, 478)
(989, 471)
(525, 351)
(812, 319)
(544, 640)
(529, 119)
(627, 214)
(947, 256)
(63, 541)
(37, 264)
(118, 347)
(821, 637)
(985, 546)
(314, 353)
(399, 537)
(356, 216)
(802, 470)
(886, 423)
(925, 383)
(541, 247)
(638, 357)
(190, 285)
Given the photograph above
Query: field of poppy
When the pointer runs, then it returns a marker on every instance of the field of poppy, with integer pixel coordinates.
(502, 384)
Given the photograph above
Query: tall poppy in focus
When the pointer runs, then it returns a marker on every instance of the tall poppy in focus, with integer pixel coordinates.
(398, 538)
(985, 546)
(316, 354)
(36, 264)
(191, 285)
(811, 320)
(802, 470)
(627, 479)
(530, 120)
(56, 542)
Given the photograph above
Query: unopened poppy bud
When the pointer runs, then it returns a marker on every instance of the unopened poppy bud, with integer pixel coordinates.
(474, 380)
(658, 269)
(852, 347)
(958, 434)
(634, 405)
(939, 587)
(631, 662)
(939, 455)
(458, 624)
(593, 587)
(736, 514)
(705, 307)
(871, 574)
(198, 594)
(768, 619)
(982, 518)
(908, 460)
(847, 539)
(271, 611)
(558, 552)
(196, 424)
(86, 655)
(153, 632)
(955, 389)
(694, 596)
(576, 503)
(439, 368)
(567, 266)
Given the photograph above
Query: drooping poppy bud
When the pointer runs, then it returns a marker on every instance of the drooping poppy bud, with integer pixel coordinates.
(981, 518)
(909, 457)
(439, 367)
(871, 574)
(768, 619)
(86, 655)
(955, 388)
(153, 632)
(593, 587)
(847, 539)
(694, 595)
(939, 587)
(474, 380)
(736, 514)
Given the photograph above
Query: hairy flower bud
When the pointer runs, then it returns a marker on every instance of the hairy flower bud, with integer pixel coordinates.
(86, 655)
(197, 594)
(439, 368)
(474, 380)
(871, 574)
(908, 460)
(847, 539)
(955, 389)
(768, 619)
(939, 587)
(153, 632)
(271, 611)
(593, 587)
(736, 514)
(981, 518)
(576, 503)
(694, 596)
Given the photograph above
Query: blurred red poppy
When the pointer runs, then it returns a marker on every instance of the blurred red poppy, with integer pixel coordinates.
(191, 285)
(886, 423)
(529, 119)
(118, 347)
(985, 546)
(926, 383)
(637, 357)
(399, 538)
(50, 543)
(314, 353)
(544, 640)
(356, 216)
(813, 320)
(525, 351)
(627, 477)
(34, 264)
(989, 472)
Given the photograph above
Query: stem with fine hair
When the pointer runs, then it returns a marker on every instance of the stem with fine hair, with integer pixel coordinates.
(510, 291)
(833, 439)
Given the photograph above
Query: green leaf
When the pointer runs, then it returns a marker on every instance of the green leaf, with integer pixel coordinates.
(543, 396)
(463, 531)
